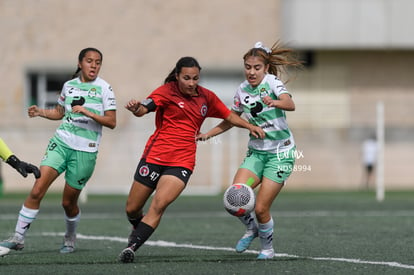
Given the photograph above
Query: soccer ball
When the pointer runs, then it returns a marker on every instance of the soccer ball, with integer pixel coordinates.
(239, 199)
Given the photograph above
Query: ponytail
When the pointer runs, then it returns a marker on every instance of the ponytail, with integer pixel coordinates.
(76, 73)
(278, 58)
(171, 76)
(82, 55)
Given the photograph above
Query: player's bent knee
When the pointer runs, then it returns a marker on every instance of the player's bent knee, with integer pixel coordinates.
(262, 212)
(36, 195)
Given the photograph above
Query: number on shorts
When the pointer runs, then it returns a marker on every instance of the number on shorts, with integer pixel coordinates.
(52, 146)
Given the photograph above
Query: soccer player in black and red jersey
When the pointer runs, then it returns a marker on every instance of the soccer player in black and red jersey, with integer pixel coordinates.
(181, 106)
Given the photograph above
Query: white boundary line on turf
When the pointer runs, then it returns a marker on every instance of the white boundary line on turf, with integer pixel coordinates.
(203, 247)
(290, 214)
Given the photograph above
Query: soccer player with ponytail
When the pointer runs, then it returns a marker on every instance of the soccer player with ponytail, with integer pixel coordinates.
(86, 104)
(263, 98)
(181, 106)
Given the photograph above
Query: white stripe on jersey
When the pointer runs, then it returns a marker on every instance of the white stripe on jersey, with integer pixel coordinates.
(77, 131)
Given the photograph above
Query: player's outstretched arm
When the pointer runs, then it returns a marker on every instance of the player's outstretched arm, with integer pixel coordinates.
(53, 114)
(5, 151)
(22, 167)
(136, 108)
(235, 119)
(217, 130)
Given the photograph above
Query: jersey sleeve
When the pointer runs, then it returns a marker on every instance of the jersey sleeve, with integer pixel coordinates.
(159, 96)
(237, 106)
(108, 99)
(217, 108)
(5, 151)
(61, 99)
(278, 87)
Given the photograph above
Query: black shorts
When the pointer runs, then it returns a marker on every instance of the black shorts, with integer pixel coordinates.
(149, 174)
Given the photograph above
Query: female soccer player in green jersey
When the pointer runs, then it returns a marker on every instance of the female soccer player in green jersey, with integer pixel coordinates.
(263, 98)
(86, 104)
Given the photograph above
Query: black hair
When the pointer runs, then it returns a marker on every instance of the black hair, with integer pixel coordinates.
(183, 62)
(82, 55)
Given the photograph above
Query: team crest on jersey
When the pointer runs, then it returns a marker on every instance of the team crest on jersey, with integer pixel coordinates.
(236, 102)
(92, 92)
(203, 110)
(144, 171)
(263, 92)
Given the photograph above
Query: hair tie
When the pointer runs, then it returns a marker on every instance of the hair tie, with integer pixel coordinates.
(259, 45)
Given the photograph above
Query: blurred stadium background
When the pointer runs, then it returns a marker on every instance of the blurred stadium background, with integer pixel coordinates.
(357, 53)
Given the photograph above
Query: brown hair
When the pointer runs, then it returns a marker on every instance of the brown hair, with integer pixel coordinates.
(279, 58)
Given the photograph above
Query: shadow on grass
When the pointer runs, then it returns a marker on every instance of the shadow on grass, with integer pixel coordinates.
(85, 257)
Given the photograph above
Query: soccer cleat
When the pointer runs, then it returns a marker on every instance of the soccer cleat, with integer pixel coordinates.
(127, 255)
(68, 244)
(4, 251)
(14, 243)
(245, 241)
(266, 254)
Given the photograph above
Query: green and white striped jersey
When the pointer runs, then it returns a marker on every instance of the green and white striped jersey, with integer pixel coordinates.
(248, 100)
(78, 131)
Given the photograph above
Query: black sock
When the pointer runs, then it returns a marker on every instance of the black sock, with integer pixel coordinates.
(135, 221)
(140, 235)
